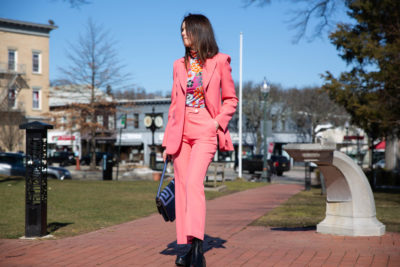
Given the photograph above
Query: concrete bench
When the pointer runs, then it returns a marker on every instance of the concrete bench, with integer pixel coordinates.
(350, 205)
(216, 169)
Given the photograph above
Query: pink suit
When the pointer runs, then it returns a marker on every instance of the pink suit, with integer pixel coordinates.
(191, 138)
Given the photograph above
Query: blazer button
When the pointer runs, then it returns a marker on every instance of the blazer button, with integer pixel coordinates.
(196, 110)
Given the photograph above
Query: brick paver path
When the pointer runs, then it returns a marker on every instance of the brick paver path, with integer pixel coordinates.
(229, 241)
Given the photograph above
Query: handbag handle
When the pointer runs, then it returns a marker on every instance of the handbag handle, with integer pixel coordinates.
(162, 177)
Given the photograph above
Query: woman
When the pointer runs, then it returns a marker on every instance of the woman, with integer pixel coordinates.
(196, 120)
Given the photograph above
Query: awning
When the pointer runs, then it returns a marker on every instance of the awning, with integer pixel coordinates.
(381, 145)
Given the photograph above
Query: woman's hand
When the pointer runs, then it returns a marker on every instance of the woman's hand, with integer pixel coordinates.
(164, 155)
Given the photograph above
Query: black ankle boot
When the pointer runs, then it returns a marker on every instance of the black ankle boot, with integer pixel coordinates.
(198, 259)
(184, 260)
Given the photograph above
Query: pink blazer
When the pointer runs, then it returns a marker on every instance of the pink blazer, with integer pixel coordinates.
(216, 76)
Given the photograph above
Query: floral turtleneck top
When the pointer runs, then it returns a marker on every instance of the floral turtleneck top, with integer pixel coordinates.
(194, 91)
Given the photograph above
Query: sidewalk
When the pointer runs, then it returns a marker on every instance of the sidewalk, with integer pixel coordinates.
(229, 241)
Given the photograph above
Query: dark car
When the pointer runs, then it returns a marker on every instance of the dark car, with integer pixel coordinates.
(85, 160)
(279, 164)
(13, 165)
(276, 164)
(253, 163)
(64, 158)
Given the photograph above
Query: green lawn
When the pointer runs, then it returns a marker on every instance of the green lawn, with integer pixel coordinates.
(307, 209)
(76, 207)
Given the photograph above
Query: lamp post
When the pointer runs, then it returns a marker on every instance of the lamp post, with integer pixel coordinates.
(153, 121)
(265, 90)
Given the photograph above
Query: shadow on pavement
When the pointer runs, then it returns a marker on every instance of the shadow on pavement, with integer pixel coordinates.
(209, 243)
(295, 229)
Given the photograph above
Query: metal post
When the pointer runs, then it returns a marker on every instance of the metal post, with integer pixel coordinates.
(264, 176)
(36, 178)
(119, 152)
(152, 153)
(307, 177)
(240, 148)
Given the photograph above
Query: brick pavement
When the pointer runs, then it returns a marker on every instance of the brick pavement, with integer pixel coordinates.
(229, 241)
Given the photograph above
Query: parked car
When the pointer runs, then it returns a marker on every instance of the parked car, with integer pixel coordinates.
(276, 164)
(13, 165)
(58, 173)
(380, 164)
(85, 160)
(64, 158)
(280, 164)
(253, 163)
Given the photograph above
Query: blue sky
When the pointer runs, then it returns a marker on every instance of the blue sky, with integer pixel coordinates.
(148, 37)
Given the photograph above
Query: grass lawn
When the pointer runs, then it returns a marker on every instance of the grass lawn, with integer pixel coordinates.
(76, 207)
(307, 209)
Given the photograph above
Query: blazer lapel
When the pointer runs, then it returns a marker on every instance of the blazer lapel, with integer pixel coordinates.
(208, 70)
(182, 75)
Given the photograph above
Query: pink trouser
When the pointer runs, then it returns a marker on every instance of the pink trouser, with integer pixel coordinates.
(199, 143)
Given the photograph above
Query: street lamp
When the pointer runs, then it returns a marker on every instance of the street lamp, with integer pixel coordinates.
(265, 90)
(153, 121)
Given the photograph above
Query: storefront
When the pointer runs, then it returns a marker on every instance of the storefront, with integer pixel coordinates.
(64, 141)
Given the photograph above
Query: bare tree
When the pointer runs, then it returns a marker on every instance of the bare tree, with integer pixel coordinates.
(253, 110)
(10, 134)
(319, 13)
(93, 66)
(311, 107)
(12, 112)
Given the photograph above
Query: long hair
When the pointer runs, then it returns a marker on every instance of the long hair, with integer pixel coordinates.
(201, 34)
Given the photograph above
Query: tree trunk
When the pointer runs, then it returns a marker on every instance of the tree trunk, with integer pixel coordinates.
(93, 150)
(391, 152)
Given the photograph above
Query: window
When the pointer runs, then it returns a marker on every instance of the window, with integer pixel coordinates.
(12, 97)
(12, 59)
(74, 121)
(63, 122)
(36, 62)
(136, 120)
(36, 98)
(111, 122)
(100, 119)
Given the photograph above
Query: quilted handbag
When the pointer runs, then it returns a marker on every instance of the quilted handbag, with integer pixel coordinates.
(165, 199)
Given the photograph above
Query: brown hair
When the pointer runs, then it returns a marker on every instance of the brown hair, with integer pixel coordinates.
(201, 34)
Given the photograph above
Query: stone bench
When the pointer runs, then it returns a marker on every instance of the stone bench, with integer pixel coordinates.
(350, 205)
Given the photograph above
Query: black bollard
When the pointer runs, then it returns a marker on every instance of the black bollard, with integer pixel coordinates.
(36, 178)
(307, 177)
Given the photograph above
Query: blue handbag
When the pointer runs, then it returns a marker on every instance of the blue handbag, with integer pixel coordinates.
(165, 199)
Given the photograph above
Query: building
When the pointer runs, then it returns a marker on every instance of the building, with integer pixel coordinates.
(134, 141)
(71, 114)
(24, 78)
